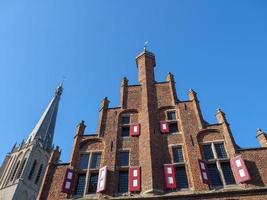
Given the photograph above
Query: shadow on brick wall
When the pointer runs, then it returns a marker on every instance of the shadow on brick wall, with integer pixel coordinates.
(254, 173)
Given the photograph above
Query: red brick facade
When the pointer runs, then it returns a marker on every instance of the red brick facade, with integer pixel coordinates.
(148, 104)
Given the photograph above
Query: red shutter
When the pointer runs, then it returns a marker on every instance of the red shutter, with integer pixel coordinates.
(135, 129)
(102, 179)
(164, 127)
(169, 174)
(204, 171)
(239, 169)
(134, 179)
(68, 181)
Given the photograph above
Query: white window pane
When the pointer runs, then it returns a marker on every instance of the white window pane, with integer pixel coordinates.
(238, 163)
(205, 175)
(69, 175)
(135, 173)
(101, 183)
(242, 173)
(170, 180)
(169, 170)
(67, 185)
(202, 165)
(102, 175)
(135, 183)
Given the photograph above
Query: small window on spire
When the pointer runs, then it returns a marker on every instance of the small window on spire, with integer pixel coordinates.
(38, 174)
(21, 168)
(32, 170)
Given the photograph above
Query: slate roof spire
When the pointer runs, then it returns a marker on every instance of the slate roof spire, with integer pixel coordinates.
(44, 129)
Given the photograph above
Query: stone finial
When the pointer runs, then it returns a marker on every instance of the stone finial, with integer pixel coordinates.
(104, 104)
(220, 115)
(262, 138)
(55, 155)
(124, 82)
(80, 128)
(192, 95)
(170, 77)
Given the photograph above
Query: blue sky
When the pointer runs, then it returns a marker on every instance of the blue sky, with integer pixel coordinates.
(218, 48)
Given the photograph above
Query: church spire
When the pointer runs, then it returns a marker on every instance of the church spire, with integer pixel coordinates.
(44, 129)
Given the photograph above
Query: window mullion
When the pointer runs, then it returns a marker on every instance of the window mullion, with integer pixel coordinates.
(214, 151)
(218, 163)
(220, 172)
(87, 177)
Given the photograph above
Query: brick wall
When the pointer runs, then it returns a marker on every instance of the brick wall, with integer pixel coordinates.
(147, 104)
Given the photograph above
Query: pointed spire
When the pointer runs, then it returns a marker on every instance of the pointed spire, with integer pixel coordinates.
(44, 129)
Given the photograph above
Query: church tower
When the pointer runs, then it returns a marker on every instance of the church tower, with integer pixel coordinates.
(23, 168)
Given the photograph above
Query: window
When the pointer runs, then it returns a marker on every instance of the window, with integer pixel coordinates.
(220, 150)
(125, 120)
(80, 185)
(218, 164)
(95, 162)
(125, 131)
(21, 167)
(38, 174)
(123, 182)
(93, 182)
(32, 170)
(173, 127)
(125, 125)
(15, 171)
(124, 158)
(172, 120)
(84, 161)
(181, 177)
(214, 175)
(178, 155)
(171, 115)
(207, 150)
(227, 173)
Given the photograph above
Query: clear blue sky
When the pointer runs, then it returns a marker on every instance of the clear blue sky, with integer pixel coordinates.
(218, 48)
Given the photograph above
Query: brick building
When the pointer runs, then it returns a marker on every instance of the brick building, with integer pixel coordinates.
(156, 146)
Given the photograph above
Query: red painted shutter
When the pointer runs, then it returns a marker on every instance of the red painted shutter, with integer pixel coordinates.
(164, 127)
(135, 129)
(102, 179)
(134, 179)
(239, 168)
(204, 171)
(169, 174)
(68, 181)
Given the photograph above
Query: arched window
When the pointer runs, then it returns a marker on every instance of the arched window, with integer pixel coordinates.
(21, 168)
(32, 170)
(38, 174)
(15, 171)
